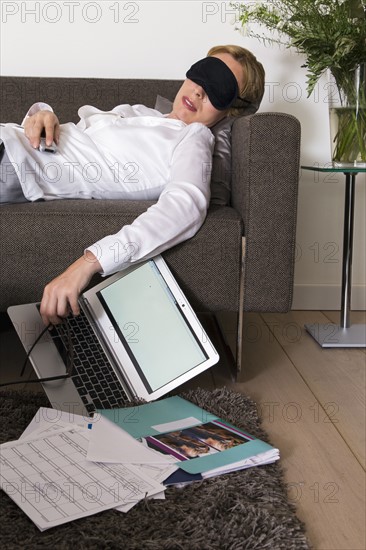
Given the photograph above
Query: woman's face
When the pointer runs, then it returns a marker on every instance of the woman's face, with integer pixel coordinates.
(191, 104)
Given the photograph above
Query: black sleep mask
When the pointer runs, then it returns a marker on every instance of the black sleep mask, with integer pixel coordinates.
(217, 80)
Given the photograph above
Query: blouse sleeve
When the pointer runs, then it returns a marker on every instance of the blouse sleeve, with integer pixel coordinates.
(178, 214)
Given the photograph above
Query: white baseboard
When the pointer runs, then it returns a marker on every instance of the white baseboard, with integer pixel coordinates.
(327, 297)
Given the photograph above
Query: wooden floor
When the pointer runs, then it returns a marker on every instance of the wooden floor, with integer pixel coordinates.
(312, 403)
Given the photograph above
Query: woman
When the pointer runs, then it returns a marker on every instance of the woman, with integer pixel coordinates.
(134, 152)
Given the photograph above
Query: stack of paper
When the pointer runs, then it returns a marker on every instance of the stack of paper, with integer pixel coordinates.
(48, 474)
(66, 467)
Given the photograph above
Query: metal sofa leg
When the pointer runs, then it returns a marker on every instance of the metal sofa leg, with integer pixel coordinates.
(239, 342)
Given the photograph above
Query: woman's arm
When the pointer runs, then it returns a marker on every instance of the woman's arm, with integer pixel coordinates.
(177, 216)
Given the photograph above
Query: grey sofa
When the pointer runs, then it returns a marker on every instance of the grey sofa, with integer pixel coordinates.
(38, 240)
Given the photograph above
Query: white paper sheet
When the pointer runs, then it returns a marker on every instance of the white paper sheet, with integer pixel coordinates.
(110, 443)
(177, 425)
(158, 472)
(47, 419)
(51, 480)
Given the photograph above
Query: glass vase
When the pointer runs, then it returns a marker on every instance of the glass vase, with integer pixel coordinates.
(347, 110)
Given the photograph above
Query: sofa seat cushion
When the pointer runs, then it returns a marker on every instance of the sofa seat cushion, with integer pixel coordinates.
(39, 240)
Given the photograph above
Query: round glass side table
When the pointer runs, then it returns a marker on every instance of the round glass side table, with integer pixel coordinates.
(343, 335)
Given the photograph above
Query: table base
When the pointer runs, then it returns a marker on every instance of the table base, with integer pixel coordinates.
(334, 336)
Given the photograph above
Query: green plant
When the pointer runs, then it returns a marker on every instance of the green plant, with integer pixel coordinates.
(332, 36)
(331, 33)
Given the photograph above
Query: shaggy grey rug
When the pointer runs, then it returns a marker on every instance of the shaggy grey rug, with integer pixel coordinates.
(241, 510)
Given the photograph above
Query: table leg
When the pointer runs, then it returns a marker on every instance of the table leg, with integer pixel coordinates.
(343, 335)
(349, 202)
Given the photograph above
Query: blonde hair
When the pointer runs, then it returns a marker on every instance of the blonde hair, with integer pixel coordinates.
(254, 74)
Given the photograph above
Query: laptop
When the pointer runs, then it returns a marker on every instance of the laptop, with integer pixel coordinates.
(136, 337)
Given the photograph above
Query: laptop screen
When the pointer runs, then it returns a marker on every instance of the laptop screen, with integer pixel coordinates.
(146, 317)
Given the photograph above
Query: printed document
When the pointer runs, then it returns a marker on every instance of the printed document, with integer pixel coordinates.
(51, 480)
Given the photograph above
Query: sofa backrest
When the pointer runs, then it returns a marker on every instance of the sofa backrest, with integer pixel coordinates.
(66, 95)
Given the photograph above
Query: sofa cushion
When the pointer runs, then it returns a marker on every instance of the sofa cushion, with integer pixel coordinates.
(39, 240)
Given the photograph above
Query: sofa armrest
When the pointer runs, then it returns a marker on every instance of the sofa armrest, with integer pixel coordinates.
(265, 175)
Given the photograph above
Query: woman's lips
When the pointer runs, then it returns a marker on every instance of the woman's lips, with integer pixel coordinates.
(188, 104)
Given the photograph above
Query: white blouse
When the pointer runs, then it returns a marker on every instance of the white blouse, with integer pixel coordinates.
(131, 152)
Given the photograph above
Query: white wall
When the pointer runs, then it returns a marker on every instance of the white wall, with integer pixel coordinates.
(161, 39)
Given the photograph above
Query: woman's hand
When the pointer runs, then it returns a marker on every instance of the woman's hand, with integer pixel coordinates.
(60, 296)
(42, 121)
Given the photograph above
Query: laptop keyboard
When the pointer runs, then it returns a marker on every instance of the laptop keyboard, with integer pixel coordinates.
(92, 374)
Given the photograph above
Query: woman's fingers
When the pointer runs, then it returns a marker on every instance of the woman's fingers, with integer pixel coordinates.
(54, 305)
(43, 122)
(52, 129)
(60, 296)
